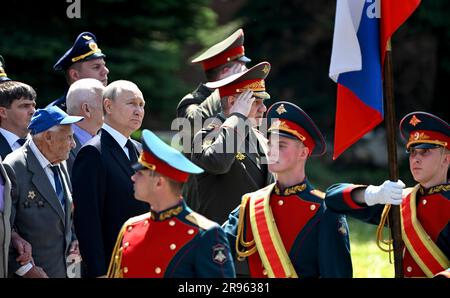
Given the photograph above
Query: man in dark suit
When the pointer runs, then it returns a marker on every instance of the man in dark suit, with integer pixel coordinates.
(17, 105)
(41, 209)
(85, 98)
(231, 150)
(101, 175)
(83, 60)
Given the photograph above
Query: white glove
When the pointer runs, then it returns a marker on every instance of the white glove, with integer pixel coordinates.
(387, 193)
(243, 103)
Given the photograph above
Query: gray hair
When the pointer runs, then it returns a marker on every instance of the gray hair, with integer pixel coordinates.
(117, 87)
(83, 91)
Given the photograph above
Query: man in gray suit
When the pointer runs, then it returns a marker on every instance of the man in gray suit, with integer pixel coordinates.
(5, 227)
(84, 98)
(41, 210)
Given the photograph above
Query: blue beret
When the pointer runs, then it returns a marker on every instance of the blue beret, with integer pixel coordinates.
(44, 119)
(85, 48)
(162, 158)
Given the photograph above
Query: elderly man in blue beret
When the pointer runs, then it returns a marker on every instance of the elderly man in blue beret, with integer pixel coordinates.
(83, 60)
(41, 210)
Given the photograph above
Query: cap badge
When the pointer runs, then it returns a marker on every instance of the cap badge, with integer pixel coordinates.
(280, 110)
(93, 46)
(240, 156)
(87, 37)
(266, 69)
(414, 120)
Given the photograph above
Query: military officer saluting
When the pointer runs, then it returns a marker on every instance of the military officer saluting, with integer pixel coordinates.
(219, 61)
(284, 230)
(232, 150)
(83, 60)
(171, 240)
(424, 209)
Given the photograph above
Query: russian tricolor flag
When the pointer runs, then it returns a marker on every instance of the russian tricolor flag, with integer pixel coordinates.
(359, 48)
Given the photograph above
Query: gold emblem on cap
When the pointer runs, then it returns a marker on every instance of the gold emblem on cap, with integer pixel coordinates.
(93, 46)
(240, 156)
(87, 37)
(414, 120)
(266, 69)
(280, 110)
(31, 195)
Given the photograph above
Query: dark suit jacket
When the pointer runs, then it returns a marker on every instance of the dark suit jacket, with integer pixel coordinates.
(59, 102)
(36, 212)
(5, 149)
(73, 154)
(103, 199)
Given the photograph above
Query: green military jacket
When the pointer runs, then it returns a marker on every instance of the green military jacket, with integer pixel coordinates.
(231, 173)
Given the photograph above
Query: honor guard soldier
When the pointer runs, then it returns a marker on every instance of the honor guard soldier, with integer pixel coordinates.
(171, 240)
(284, 230)
(83, 60)
(424, 209)
(231, 150)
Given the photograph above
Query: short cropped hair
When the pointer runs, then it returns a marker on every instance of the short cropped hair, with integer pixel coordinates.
(14, 90)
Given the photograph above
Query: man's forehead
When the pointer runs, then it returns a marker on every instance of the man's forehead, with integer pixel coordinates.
(94, 61)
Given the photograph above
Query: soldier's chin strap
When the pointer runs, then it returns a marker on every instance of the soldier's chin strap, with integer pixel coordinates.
(240, 242)
(383, 243)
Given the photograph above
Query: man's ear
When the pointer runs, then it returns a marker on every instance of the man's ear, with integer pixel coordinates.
(86, 110)
(304, 153)
(73, 74)
(231, 100)
(3, 112)
(47, 136)
(107, 103)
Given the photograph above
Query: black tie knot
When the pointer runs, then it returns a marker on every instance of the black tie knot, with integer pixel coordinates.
(131, 151)
(21, 141)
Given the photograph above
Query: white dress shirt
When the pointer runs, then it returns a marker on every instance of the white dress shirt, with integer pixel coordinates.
(11, 138)
(120, 138)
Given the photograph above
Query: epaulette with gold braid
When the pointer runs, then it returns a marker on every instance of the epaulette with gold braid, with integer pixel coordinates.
(318, 193)
(200, 221)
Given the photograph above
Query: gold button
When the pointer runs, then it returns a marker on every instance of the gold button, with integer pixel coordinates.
(190, 231)
(129, 228)
(125, 269)
(280, 202)
(117, 257)
(171, 223)
(146, 222)
(409, 268)
(424, 202)
(126, 244)
(157, 270)
(173, 246)
(312, 207)
(264, 272)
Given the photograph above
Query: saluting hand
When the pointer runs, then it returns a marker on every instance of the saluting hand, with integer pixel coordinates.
(243, 103)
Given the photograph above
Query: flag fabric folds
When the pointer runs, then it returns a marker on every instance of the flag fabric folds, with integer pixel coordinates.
(359, 47)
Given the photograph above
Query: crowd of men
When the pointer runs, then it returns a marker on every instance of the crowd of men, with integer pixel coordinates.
(80, 198)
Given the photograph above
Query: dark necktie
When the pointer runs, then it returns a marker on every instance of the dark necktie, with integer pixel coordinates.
(21, 141)
(58, 185)
(131, 152)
